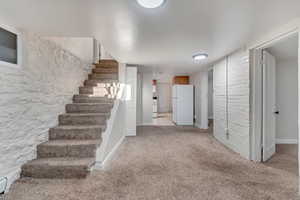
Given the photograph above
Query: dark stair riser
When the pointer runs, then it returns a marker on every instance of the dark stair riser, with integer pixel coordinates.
(57, 151)
(83, 120)
(75, 134)
(105, 70)
(88, 108)
(103, 76)
(58, 172)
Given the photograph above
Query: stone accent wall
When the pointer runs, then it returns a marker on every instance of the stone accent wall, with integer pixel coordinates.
(31, 97)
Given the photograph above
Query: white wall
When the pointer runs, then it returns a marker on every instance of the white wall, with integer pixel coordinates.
(31, 98)
(287, 100)
(147, 98)
(144, 98)
(115, 132)
(131, 100)
(81, 47)
(200, 82)
(231, 102)
(164, 93)
(139, 100)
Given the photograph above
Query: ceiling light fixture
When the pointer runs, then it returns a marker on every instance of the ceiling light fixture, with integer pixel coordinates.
(200, 56)
(151, 3)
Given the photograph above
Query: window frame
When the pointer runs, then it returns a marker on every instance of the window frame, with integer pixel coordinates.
(19, 47)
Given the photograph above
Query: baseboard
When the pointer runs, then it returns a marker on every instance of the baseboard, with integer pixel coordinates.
(269, 152)
(104, 163)
(147, 124)
(131, 133)
(198, 125)
(286, 141)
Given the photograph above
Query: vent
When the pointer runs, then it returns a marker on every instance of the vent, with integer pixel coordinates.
(3, 185)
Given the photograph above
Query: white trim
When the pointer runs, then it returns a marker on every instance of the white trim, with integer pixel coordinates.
(256, 104)
(19, 46)
(286, 141)
(198, 125)
(201, 127)
(131, 132)
(255, 79)
(147, 124)
(278, 34)
(110, 155)
(269, 152)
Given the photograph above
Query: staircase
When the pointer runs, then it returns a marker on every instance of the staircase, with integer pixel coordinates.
(71, 149)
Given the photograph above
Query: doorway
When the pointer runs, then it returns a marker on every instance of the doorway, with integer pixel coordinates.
(162, 104)
(280, 104)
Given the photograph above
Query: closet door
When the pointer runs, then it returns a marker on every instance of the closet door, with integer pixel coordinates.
(239, 103)
(269, 106)
(232, 102)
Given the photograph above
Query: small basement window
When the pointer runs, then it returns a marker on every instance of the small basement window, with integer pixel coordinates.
(8, 47)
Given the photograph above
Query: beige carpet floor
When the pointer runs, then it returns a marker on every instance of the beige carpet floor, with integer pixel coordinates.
(169, 163)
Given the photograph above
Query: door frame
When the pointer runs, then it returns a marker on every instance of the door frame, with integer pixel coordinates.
(256, 84)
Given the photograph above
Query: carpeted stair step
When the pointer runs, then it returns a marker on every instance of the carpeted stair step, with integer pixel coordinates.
(72, 146)
(107, 63)
(100, 82)
(89, 107)
(112, 76)
(76, 132)
(83, 118)
(100, 91)
(91, 99)
(52, 168)
(105, 70)
(68, 148)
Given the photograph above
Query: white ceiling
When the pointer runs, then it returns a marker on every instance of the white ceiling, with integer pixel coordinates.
(163, 38)
(285, 49)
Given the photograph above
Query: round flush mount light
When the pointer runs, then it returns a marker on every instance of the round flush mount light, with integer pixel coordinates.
(151, 3)
(200, 56)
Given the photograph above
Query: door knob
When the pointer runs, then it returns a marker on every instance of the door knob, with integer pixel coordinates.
(277, 112)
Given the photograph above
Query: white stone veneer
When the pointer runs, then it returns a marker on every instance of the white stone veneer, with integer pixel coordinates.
(31, 98)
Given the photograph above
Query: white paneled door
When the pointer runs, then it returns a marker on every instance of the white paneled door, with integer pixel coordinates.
(269, 106)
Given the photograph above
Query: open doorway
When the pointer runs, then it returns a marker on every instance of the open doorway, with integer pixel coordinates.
(280, 104)
(162, 103)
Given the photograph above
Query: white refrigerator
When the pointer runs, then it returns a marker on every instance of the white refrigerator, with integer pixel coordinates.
(183, 104)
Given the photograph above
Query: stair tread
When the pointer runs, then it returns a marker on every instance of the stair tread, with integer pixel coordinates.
(70, 142)
(79, 127)
(92, 96)
(90, 104)
(85, 114)
(103, 80)
(64, 161)
(98, 86)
